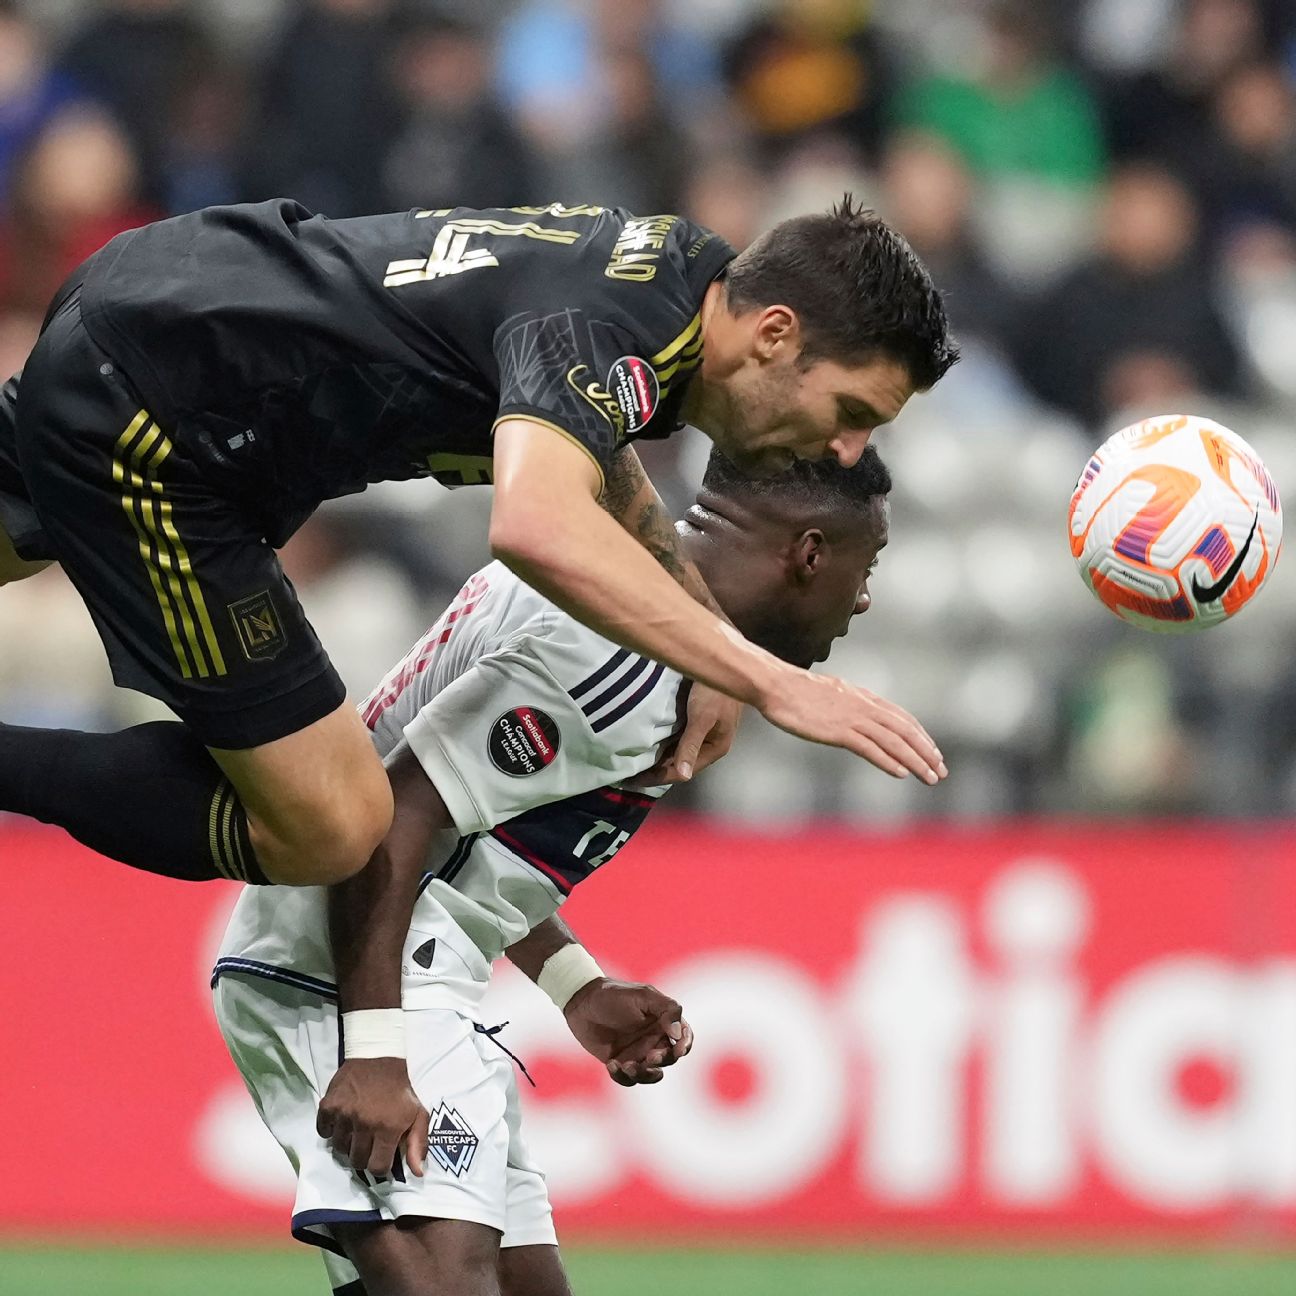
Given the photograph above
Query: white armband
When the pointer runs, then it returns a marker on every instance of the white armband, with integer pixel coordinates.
(373, 1033)
(572, 968)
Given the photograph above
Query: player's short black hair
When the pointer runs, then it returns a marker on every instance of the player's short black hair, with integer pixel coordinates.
(857, 287)
(821, 484)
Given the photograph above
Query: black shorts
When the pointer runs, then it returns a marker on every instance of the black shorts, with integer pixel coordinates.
(187, 595)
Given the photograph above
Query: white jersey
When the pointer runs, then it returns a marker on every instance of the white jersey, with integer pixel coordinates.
(526, 722)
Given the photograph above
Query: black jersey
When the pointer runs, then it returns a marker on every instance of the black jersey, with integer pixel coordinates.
(302, 358)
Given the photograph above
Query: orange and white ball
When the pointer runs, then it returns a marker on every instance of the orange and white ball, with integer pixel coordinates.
(1175, 523)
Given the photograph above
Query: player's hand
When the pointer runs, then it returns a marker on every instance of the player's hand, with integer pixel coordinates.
(709, 733)
(370, 1112)
(827, 710)
(634, 1030)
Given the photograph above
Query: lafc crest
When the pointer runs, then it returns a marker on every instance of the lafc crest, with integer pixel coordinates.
(260, 630)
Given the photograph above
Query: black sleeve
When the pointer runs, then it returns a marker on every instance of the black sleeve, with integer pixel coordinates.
(602, 326)
(555, 368)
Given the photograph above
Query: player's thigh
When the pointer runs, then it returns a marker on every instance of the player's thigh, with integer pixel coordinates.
(415, 1257)
(318, 800)
(532, 1271)
(189, 599)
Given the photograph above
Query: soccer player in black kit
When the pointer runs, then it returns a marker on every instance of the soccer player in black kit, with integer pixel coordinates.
(203, 383)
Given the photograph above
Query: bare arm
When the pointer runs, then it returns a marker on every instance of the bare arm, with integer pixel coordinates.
(631, 498)
(712, 716)
(370, 1110)
(546, 526)
(543, 940)
(369, 914)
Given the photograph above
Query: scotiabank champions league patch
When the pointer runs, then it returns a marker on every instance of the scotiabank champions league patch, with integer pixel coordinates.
(523, 741)
(632, 383)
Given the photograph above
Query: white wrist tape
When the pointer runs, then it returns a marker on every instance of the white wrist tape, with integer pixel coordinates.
(572, 968)
(373, 1033)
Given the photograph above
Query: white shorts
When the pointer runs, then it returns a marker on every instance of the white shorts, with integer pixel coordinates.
(284, 1041)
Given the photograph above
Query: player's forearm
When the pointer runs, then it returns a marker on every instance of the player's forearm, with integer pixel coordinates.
(547, 527)
(631, 498)
(530, 954)
(370, 913)
(558, 963)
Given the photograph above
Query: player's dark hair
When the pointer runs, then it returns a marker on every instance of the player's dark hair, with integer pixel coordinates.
(821, 484)
(857, 287)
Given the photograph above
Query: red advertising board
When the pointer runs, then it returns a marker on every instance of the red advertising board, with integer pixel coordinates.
(1034, 1030)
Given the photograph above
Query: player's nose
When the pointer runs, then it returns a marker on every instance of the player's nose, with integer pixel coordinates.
(849, 446)
(863, 602)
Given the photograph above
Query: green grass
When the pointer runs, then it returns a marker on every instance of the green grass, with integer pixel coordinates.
(106, 1271)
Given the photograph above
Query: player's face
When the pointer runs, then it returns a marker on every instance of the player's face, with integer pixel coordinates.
(780, 411)
(839, 589)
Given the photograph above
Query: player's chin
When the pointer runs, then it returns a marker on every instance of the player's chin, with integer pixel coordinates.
(822, 650)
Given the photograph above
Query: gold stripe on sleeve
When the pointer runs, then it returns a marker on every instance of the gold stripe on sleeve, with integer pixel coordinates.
(690, 331)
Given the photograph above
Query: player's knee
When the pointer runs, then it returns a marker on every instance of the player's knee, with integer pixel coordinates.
(327, 843)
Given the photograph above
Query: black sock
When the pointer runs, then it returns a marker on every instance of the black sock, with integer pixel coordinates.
(151, 797)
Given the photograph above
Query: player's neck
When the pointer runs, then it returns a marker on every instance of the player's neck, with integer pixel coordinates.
(703, 406)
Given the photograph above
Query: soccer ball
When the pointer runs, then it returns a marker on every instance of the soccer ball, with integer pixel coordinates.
(1175, 523)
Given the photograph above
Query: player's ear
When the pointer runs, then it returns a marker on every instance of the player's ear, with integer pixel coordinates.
(777, 330)
(809, 553)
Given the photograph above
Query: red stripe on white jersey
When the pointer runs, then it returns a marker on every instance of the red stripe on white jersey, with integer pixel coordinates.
(416, 661)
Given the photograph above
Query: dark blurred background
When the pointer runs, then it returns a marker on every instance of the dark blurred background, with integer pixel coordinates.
(1106, 190)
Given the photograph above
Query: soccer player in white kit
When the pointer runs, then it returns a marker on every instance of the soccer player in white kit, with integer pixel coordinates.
(510, 732)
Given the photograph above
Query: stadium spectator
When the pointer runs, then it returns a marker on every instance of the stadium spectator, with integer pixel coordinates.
(929, 193)
(1245, 169)
(76, 189)
(1139, 317)
(636, 156)
(455, 145)
(1024, 114)
(134, 57)
(31, 92)
(202, 158)
(549, 53)
(806, 68)
(1163, 111)
(325, 111)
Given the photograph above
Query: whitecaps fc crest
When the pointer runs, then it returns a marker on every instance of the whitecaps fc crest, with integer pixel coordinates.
(451, 1141)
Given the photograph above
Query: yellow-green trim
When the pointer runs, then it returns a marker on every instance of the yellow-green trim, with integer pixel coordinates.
(677, 343)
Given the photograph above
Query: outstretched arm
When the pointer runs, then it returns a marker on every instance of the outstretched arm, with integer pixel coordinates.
(547, 526)
(713, 717)
(633, 1029)
(370, 1109)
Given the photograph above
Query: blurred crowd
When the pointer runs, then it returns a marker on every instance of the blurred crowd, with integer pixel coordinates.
(1106, 190)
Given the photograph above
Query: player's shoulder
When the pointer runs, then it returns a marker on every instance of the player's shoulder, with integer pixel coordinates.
(608, 684)
(646, 272)
(659, 267)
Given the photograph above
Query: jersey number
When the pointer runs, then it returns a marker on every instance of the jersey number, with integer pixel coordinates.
(451, 254)
(601, 828)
